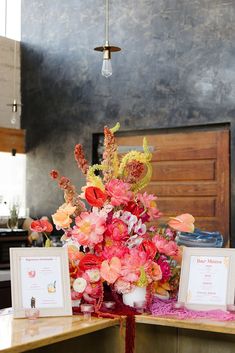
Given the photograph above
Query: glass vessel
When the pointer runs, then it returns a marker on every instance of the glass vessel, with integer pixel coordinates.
(12, 222)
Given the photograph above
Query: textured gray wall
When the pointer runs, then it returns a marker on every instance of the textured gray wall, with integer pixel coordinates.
(176, 69)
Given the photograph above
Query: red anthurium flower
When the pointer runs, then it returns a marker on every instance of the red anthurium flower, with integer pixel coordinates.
(89, 261)
(95, 196)
(149, 248)
(134, 208)
(41, 225)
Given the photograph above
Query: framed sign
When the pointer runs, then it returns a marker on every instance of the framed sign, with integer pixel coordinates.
(207, 278)
(40, 278)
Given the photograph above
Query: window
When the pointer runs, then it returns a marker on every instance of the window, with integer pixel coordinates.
(12, 182)
(10, 19)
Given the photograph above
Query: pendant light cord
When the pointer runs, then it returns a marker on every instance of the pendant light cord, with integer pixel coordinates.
(14, 72)
(106, 22)
(5, 18)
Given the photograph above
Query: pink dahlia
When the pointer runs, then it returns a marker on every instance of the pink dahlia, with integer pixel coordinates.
(119, 192)
(89, 229)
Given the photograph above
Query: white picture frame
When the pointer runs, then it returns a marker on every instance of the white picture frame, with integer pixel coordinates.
(207, 280)
(41, 275)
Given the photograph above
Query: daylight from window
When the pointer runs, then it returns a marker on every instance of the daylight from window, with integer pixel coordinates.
(12, 182)
(10, 19)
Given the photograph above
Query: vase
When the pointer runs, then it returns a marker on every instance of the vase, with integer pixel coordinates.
(138, 294)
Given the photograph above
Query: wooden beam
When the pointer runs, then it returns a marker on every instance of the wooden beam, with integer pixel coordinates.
(12, 139)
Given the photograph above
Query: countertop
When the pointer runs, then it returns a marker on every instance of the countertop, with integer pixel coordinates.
(5, 275)
(227, 327)
(21, 335)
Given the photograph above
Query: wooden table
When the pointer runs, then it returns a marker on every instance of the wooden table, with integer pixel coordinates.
(55, 334)
(169, 335)
(153, 335)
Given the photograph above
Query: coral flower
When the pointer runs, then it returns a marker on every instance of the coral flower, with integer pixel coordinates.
(74, 253)
(156, 272)
(149, 248)
(94, 196)
(119, 192)
(61, 219)
(89, 229)
(182, 223)
(62, 216)
(41, 225)
(110, 270)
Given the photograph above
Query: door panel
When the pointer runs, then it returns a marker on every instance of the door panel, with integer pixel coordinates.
(190, 174)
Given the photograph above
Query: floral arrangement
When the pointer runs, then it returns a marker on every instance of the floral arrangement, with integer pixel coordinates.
(114, 241)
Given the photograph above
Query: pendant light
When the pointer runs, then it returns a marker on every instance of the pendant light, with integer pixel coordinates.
(14, 105)
(107, 49)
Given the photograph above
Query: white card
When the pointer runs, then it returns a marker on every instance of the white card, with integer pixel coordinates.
(208, 280)
(41, 280)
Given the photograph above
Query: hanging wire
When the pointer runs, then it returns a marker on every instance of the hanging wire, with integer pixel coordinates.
(14, 72)
(5, 18)
(106, 22)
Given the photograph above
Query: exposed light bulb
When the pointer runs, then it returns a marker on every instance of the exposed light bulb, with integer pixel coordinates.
(106, 68)
(13, 118)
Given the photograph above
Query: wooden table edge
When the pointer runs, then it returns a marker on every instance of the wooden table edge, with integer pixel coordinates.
(24, 347)
(202, 325)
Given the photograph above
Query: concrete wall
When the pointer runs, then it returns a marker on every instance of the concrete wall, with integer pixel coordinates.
(9, 73)
(176, 69)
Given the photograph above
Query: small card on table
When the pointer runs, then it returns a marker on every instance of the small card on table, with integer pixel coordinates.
(207, 278)
(40, 276)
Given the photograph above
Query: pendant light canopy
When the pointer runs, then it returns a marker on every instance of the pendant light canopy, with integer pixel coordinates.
(107, 49)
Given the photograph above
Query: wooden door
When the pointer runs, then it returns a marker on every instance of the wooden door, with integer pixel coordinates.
(190, 175)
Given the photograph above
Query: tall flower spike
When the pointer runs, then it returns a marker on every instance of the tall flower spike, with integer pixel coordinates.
(80, 158)
(110, 159)
(70, 194)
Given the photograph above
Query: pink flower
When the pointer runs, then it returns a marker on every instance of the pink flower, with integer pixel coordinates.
(114, 250)
(132, 263)
(89, 229)
(149, 203)
(182, 223)
(122, 286)
(117, 229)
(119, 192)
(165, 268)
(110, 269)
(169, 248)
